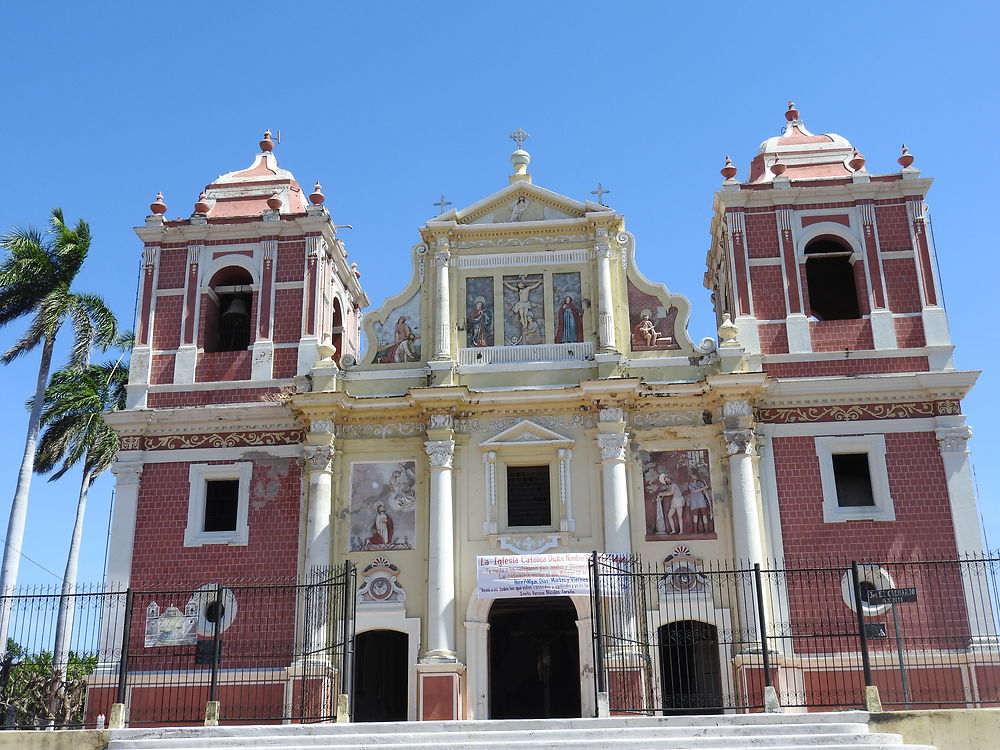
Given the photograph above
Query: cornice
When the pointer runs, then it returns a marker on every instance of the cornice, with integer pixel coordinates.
(870, 389)
(808, 194)
(203, 420)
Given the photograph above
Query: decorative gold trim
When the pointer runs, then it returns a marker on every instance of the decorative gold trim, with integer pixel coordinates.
(855, 412)
(213, 440)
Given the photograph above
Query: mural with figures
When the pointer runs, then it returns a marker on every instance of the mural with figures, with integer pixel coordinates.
(677, 489)
(567, 303)
(398, 337)
(651, 323)
(383, 505)
(479, 311)
(523, 309)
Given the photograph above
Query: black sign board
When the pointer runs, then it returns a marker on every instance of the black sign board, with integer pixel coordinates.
(875, 630)
(892, 596)
(204, 651)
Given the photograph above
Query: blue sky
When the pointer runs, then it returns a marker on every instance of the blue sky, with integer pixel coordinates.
(392, 104)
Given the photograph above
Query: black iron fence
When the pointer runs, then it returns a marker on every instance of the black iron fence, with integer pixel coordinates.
(682, 636)
(274, 651)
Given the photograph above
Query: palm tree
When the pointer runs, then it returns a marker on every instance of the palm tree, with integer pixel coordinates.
(73, 431)
(36, 276)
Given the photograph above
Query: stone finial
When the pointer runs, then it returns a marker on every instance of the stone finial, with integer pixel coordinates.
(267, 145)
(857, 162)
(274, 202)
(792, 113)
(158, 207)
(316, 197)
(906, 158)
(778, 168)
(728, 171)
(355, 271)
(728, 331)
(202, 206)
(520, 159)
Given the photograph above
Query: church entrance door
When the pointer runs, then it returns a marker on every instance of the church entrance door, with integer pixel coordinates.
(690, 672)
(534, 655)
(380, 671)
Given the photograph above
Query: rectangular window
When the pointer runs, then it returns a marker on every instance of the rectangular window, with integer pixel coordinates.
(853, 479)
(528, 496)
(221, 504)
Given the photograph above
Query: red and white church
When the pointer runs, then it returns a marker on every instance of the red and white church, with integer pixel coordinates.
(529, 394)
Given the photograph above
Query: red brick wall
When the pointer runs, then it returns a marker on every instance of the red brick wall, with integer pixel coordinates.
(768, 288)
(167, 322)
(846, 367)
(773, 338)
(901, 285)
(762, 235)
(287, 315)
(909, 332)
(290, 265)
(173, 266)
(838, 335)
(198, 398)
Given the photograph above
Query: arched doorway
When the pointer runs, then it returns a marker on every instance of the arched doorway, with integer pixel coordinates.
(690, 672)
(534, 659)
(381, 664)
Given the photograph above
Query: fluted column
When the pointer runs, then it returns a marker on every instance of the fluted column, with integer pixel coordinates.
(319, 464)
(605, 300)
(441, 555)
(443, 339)
(614, 449)
(747, 543)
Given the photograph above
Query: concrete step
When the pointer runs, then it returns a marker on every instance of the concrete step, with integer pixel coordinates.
(844, 730)
(663, 730)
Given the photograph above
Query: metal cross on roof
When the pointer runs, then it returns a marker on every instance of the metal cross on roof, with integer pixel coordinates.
(519, 136)
(600, 193)
(442, 203)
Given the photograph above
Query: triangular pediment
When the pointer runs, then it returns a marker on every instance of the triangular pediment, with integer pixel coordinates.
(518, 203)
(526, 433)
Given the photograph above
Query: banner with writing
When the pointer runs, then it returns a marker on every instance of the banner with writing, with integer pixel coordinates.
(517, 576)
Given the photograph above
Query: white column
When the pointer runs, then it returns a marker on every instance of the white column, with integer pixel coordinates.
(441, 256)
(747, 543)
(953, 439)
(605, 300)
(490, 470)
(319, 463)
(441, 556)
(119, 566)
(617, 537)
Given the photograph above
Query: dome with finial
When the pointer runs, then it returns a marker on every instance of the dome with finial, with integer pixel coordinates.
(158, 207)
(728, 171)
(316, 197)
(804, 155)
(905, 159)
(249, 192)
(202, 206)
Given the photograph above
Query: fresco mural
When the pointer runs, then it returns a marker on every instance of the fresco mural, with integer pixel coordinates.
(652, 325)
(677, 489)
(523, 309)
(383, 505)
(398, 338)
(567, 303)
(479, 311)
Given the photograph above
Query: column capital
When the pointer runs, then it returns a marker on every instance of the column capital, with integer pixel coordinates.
(440, 453)
(318, 458)
(953, 439)
(613, 446)
(127, 474)
(740, 442)
(441, 257)
(603, 249)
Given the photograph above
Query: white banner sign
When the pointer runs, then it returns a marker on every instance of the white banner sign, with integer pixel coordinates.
(516, 576)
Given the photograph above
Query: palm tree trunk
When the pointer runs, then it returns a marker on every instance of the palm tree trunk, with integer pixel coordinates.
(19, 506)
(64, 620)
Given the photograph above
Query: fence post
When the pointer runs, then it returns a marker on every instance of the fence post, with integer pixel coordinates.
(212, 708)
(871, 696)
(347, 665)
(771, 704)
(595, 617)
(116, 719)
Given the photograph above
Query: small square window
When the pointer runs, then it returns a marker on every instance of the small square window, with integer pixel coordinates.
(854, 480)
(221, 504)
(218, 504)
(529, 496)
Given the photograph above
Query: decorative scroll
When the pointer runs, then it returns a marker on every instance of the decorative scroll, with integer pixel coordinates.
(855, 412)
(668, 418)
(381, 430)
(468, 425)
(213, 440)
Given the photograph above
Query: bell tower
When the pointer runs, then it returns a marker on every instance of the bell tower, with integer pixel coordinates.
(827, 268)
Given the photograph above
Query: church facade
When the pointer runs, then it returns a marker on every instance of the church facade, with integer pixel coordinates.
(530, 396)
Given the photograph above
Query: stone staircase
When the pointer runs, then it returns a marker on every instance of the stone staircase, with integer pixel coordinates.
(845, 730)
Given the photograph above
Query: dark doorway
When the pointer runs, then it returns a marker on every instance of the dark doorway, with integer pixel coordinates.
(534, 652)
(380, 675)
(690, 673)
